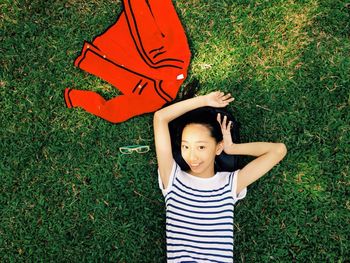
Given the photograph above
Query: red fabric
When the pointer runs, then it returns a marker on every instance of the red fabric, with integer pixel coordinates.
(144, 54)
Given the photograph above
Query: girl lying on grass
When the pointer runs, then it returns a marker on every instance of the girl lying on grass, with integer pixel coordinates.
(200, 202)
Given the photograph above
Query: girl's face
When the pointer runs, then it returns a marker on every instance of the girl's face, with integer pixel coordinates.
(198, 149)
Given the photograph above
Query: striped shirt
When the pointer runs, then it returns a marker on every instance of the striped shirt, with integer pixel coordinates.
(199, 216)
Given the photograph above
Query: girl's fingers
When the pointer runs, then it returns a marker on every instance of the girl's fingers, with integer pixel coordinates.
(220, 94)
(225, 125)
(218, 118)
(224, 122)
(223, 99)
(221, 122)
(227, 100)
(230, 100)
(227, 96)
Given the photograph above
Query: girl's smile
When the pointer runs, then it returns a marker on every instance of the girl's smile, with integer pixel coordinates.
(198, 149)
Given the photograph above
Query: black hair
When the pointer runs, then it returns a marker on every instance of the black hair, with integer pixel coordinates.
(206, 116)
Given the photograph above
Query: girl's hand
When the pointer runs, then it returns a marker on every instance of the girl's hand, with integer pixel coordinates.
(226, 133)
(218, 99)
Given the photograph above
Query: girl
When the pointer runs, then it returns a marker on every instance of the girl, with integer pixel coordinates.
(200, 202)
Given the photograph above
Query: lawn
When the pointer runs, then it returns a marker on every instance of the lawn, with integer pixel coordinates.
(68, 195)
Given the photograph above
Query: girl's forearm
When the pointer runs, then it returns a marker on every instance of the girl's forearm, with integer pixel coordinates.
(256, 148)
(175, 110)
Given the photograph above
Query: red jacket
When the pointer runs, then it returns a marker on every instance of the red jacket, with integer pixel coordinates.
(144, 54)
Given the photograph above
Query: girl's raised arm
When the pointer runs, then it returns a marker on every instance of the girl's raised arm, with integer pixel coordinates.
(268, 155)
(161, 128)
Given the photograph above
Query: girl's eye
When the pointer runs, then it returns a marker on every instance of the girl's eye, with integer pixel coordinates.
(202, 147)
(184, 147)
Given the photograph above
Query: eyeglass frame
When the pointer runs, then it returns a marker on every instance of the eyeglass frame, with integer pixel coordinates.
(134, 148)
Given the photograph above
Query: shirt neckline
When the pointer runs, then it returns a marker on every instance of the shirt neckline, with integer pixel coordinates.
(201, 178)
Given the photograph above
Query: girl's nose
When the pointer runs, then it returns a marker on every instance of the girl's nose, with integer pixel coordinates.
(193, 156)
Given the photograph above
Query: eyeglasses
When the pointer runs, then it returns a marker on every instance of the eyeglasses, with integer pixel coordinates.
(134, 148)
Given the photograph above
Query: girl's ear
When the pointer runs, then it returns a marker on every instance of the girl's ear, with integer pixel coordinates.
(219, 148)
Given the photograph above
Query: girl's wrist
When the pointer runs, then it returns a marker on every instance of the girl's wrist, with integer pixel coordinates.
(230, 149)
(201, 101)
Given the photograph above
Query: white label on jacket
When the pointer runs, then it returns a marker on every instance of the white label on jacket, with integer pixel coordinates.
(181, 76)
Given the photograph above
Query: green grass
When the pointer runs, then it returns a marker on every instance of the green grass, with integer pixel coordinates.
(67, 195)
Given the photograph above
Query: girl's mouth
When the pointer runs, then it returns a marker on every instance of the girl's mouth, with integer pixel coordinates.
(194, 165)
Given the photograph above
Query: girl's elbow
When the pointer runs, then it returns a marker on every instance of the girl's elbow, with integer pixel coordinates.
(157, 117)
(281, 149)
